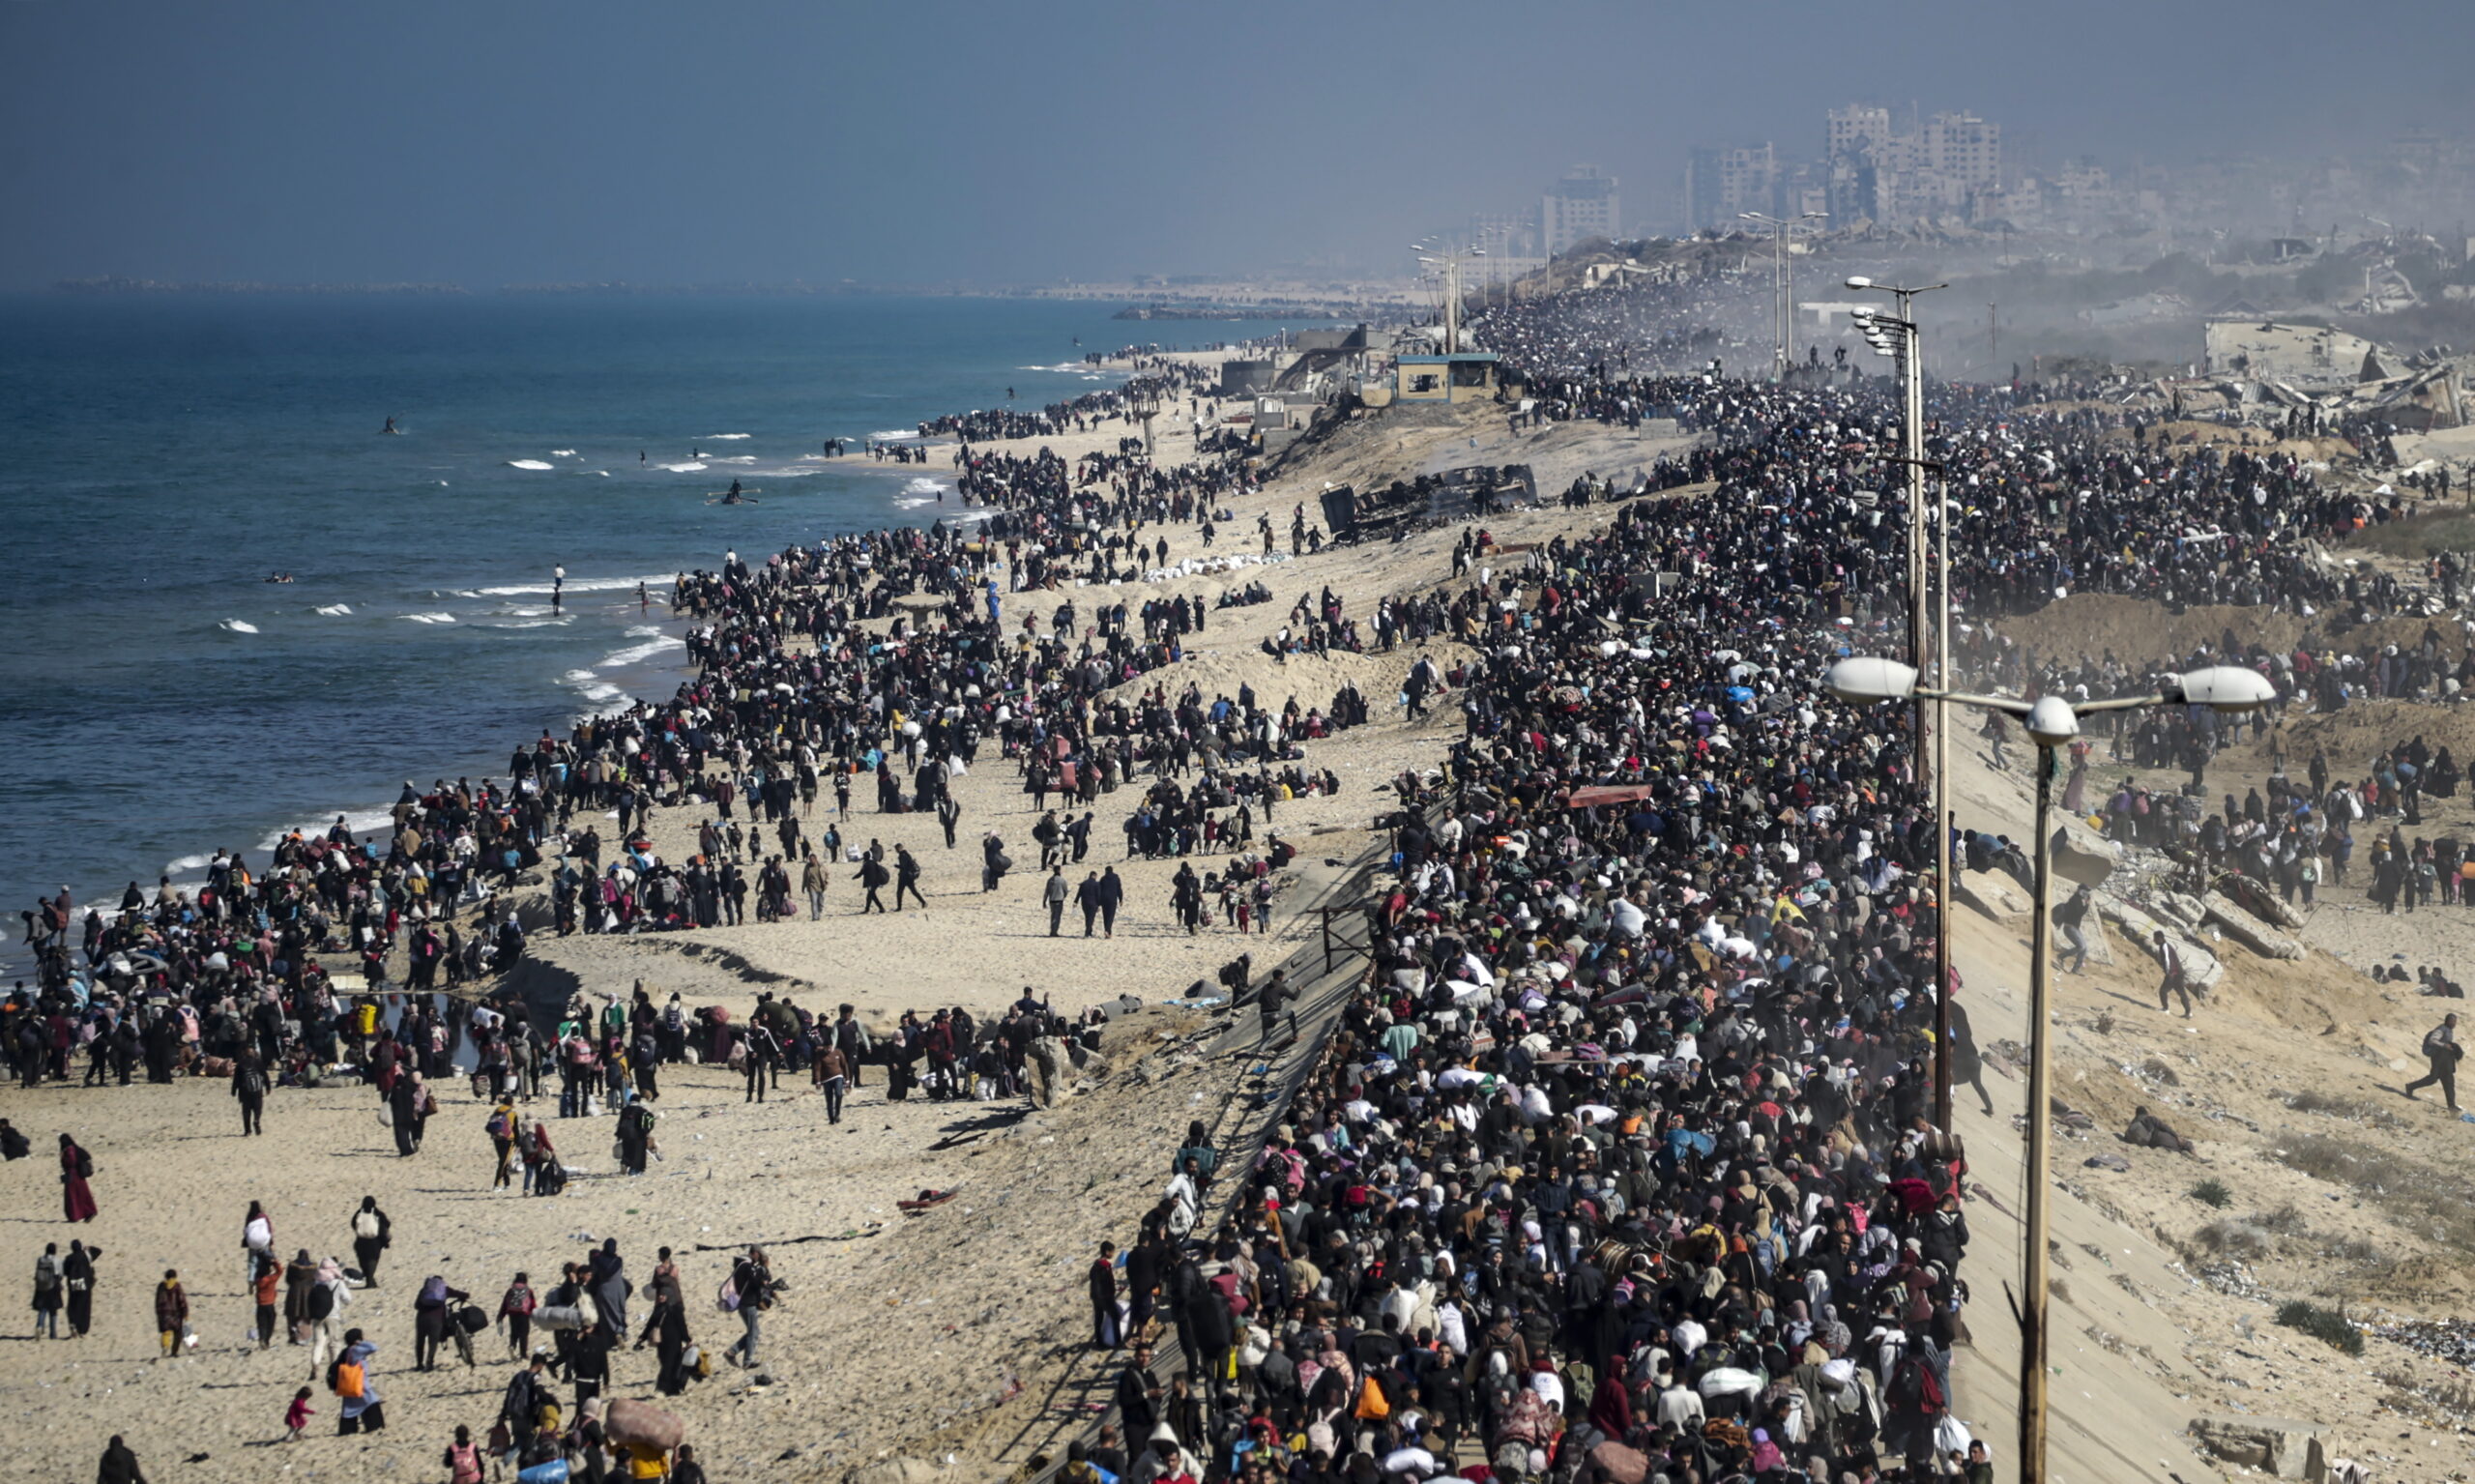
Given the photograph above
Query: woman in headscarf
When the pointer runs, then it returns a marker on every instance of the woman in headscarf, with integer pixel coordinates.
(1611, 1405)
(79, 1271)
(76, 1199)
(300, 1276)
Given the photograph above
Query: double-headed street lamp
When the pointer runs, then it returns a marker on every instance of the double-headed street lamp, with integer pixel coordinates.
(2051, 723)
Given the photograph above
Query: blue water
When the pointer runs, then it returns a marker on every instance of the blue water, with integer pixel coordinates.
(163, 455)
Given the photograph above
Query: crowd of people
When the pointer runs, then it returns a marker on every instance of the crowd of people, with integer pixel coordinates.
(1619, 1163)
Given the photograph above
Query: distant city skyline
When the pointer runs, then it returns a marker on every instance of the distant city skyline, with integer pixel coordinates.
(773, 142)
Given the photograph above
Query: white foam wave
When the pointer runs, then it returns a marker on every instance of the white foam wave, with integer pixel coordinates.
(1063, 368)
(360, 822)
(926, 487)
(599, 691)
(334, 610)
(534, 464)
(896, 435)
(238, 626)
(575, 585)
(562, 452)
(577, 678)
(782, 473)
(689, 468)
(723, 437)
(644, 631)
(185, 864)
(525, 623)
(638, 654)
(431, 618)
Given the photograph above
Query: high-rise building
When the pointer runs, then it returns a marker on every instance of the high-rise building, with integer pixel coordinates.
(1581, 206)
(1719, 183)
(1948, 164)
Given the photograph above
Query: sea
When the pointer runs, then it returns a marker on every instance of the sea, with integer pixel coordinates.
(166, 454)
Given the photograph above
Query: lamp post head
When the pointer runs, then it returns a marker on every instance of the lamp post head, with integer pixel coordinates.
(2226, 689)
(1859, 280)
(2051, 721)
(1870, 677)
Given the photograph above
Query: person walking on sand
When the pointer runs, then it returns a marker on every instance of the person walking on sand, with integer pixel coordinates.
(359, 1408)
(50, 1291)
(2071, 919)
(171, 1311)
(750, 1287)
(1055, 891)
(250, 1085)
(463, 1457)
(501, 1127)
(76, 1166)
(833, 1075)
(296, 1417)
(905, 870)
(2176, 982)
(371, 1234)
(78, 1274)
(2441, 1052)
(813, 880)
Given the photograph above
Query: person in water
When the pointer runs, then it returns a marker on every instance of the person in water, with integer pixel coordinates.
(391, 424)
(734, 489)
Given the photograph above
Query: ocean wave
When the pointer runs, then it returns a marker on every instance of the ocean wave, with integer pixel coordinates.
(334, 610)
(534, 464)
(431, 618)
(238, 626)
(360, 821)
(896, 435)
(732, 458)
(579, 678)
(575, 585)
(644, 631)
(600, 691)
(562, 452)
(782, 473)
(637, 654)
(1063, 368)
(723, 437)
(186, 864)
(525, 623)
(689, 468)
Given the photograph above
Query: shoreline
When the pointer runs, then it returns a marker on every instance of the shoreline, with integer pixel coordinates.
(16, 960)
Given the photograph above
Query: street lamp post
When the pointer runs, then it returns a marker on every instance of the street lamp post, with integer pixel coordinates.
(1899, 336)
(2051, 723)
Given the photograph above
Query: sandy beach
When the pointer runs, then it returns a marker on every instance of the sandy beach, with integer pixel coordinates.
(952, 1323)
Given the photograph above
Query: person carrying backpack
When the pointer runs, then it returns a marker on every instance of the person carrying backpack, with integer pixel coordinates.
(371, 1234)
(2441, 1052)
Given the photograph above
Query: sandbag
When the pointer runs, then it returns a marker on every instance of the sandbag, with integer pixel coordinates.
(552, 1471)
(559, 1315)
(643, 1424)
(471, 1319)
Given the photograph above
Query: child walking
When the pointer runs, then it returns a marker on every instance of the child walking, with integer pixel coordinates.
(296, 1417)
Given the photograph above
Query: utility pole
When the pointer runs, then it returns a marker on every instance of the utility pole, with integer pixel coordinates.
(1783, 309)
(1898, 337)
(1993, 341)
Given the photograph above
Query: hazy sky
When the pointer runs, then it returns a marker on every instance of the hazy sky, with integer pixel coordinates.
(916, 141)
